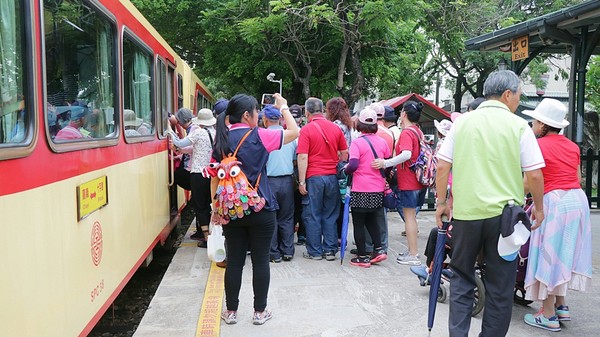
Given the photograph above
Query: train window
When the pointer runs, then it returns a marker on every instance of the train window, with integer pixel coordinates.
(80, 72)
(179, 91)
(138, 114)
(171, 90)
(162, 96)
(15, 119)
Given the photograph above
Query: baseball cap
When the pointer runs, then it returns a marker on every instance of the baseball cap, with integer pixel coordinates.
(271, 112)
(296, 111)
(220, 106)
(508, 247)
(367, 116)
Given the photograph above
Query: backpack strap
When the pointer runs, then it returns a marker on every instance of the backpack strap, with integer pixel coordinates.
(210, 138)
(241, 141)
(235, 153)
(374, 154)
(419, 140)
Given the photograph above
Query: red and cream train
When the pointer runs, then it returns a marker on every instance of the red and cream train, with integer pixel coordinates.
(85, 180)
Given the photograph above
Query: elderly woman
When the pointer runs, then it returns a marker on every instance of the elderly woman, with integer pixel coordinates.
(560, 248)
(368, 185)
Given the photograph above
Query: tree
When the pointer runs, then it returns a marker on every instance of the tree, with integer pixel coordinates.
(593, 83)
(329, 48)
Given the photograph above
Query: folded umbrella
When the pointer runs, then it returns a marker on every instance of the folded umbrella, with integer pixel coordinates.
(436, 272)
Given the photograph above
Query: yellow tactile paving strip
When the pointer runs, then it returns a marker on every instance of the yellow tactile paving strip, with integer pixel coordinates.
(210, 313)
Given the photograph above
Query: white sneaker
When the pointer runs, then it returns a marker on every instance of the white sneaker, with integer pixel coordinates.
(260, 318)
(229, 316)
(412, 260)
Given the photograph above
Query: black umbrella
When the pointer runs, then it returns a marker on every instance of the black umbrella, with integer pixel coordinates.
(436, 272)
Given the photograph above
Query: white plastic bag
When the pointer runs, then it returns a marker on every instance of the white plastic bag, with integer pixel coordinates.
(215, 246)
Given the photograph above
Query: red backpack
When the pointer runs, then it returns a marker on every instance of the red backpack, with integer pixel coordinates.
(425, 166)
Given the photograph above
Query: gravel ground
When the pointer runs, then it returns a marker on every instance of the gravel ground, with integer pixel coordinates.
(122, 318)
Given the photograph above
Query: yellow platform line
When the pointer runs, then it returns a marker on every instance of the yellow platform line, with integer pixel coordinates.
(209, 322)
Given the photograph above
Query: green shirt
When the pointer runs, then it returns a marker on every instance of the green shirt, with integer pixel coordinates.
(486, 167)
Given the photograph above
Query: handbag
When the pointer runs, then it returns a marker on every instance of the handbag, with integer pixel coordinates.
(389, 198)
(215, 245)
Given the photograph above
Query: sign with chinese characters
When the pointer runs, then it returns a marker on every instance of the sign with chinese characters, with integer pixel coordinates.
(91, 196)
(520, 48)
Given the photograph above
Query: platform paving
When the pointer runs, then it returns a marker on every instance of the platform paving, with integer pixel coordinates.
(328, 299)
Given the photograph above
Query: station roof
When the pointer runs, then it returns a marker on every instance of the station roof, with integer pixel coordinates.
(430, 112)
(555, 32)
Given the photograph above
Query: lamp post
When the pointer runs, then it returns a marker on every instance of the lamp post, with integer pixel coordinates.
(271, 78)
(502, 65)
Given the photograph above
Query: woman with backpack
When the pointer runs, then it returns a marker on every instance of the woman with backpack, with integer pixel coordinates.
(411, 193)
(249, 230)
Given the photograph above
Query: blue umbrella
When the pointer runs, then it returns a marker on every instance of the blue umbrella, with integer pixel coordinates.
(436, 272)
(345, 220)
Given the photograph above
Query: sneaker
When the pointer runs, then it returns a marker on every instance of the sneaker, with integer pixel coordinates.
(562, 312)
(361, 261)
(412, 260)
(197, 236)
(259, 318)
(288, 257)
(330, 256)
(276, 259)
(229, 316)
(379, 256)
(310, 257)
(540, 321)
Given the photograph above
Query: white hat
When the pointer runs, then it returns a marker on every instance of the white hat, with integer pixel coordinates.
(550, 112)
(130, 119)
(205, 117)
(508, 247)
(367, 116)
(443, 127)
(378, 108)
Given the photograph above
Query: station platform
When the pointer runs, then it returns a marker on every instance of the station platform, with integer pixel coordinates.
(325, 298)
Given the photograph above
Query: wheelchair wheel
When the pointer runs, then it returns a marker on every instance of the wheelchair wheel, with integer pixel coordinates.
(442, 294)
(479, 300)
(519, 296)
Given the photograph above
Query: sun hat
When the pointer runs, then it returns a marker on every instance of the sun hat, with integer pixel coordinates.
(550, 112)
(508, 247)
(205, 117)
(130, 119)
(78, 112)
(378, 108)
(443, 127)
(367, 116)
(271, 112)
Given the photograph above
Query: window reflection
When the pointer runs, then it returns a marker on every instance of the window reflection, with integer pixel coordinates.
(14, 118)
(80, 81)
(137, 77)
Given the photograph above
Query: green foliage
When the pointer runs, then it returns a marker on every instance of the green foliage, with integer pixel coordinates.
(593, 83)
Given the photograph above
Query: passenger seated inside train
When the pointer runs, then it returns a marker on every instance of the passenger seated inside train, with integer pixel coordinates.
(74, 129)
(131, 123)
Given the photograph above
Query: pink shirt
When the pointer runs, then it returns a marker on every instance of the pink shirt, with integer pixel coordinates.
(272, 139)
(366, 178)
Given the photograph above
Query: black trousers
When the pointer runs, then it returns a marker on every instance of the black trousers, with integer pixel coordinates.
(200, 187)
(468, 238)
(253, 231)
(371, 219)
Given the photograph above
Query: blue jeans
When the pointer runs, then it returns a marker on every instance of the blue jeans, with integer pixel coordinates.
(322, 212)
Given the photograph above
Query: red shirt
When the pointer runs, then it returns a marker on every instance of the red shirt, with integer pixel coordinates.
(562, 159)
(407, 181)
(322, 156)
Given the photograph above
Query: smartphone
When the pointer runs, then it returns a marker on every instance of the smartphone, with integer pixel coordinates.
(267, 99)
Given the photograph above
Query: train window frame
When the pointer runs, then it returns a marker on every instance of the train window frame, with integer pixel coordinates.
(161, 96)
(27, 37)
(179, 92)
(129, 35)
(111, 138)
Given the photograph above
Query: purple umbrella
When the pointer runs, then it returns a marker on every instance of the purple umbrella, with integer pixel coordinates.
(345, 220)
(436, 272)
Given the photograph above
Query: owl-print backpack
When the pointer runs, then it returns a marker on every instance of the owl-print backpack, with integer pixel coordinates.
(235, 196)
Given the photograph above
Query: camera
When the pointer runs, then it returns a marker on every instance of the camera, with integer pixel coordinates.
(267, 99)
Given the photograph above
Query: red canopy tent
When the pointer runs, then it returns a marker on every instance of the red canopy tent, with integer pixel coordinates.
(430, 112)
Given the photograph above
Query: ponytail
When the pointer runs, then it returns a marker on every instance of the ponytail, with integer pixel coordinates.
(221, 147)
